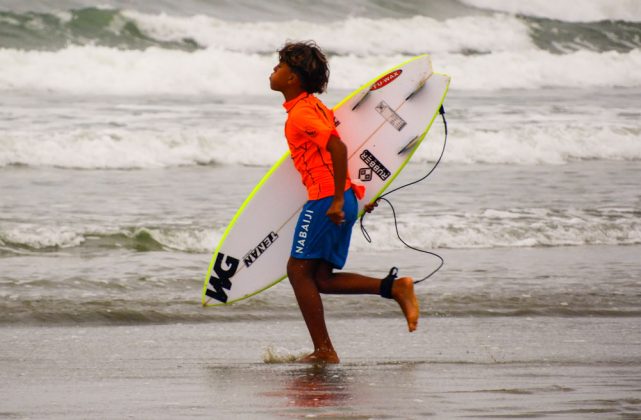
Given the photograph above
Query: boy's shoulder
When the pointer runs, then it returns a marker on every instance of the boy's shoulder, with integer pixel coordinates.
(309, 115)
(311, 104)
(305, 106)
(309, 101)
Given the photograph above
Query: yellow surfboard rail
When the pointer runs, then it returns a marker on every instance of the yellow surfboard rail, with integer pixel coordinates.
(286, 155)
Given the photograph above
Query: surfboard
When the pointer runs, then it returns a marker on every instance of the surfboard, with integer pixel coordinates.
(382, 123)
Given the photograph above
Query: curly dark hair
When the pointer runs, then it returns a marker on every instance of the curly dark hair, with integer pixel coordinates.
(310, 64)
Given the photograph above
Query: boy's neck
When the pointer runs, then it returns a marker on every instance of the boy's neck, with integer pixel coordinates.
(290, 94)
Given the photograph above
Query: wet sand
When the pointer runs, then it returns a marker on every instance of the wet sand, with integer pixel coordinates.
(540, 367)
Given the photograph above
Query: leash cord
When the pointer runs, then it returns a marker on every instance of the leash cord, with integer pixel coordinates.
(382, 197)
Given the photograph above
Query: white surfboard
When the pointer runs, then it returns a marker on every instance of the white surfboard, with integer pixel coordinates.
(382, 123)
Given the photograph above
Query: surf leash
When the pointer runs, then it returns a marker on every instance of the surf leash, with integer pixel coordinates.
(382, 197)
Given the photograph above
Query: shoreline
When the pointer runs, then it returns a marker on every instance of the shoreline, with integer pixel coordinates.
(584, 367)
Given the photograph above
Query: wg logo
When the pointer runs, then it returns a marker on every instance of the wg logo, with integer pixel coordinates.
(220, 279)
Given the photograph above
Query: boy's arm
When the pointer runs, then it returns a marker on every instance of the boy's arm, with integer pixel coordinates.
(338, 151)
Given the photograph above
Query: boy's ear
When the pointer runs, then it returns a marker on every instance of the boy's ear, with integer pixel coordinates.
(293, 79)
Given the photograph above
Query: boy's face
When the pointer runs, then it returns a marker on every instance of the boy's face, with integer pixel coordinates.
(282, 77)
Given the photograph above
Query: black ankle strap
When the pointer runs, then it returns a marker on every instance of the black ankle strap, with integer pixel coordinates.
(388, 282)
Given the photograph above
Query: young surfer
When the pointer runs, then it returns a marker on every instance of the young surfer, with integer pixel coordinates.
(323, 231)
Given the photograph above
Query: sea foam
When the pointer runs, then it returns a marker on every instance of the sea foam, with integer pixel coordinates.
(567, 139)
(574, 11)
(352, 36)
(485, 228)
(92, 70)
(204, 55)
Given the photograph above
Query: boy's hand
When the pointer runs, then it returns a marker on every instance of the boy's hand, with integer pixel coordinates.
(369, 207)
(335, 211)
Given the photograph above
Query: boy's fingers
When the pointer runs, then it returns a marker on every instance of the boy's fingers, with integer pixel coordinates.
(369, 207)
(336, 217)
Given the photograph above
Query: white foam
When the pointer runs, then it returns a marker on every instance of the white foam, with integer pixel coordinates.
(274, 354)
(354, 35)
(489, 228)
(40, 236)
(573, 11)
(92, 70)
(504, 228)
(188, 240)
(546, 142)
(540, 69)
(548, 139)
(124, 149)
(108, 71)
(238, 57)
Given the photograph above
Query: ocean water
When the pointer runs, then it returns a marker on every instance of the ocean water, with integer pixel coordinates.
(130, 132)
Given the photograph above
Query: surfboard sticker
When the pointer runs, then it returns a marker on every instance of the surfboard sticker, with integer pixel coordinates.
(386, 80)
(375, 165)
(259, 249)
(380, 83)
(252, 254)
(390, 116)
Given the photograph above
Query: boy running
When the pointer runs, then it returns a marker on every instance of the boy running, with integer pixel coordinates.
(323, 232)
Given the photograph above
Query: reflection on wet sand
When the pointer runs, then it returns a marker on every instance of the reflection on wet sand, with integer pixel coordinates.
(315, 386)
(296, 389)
(289, 387)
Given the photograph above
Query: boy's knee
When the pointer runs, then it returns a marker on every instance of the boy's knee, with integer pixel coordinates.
(323, 281)
(296, 269)
(291, 270)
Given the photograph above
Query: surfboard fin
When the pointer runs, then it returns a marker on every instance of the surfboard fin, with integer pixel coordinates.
(420, 86)
(409, 145)
(362, 99)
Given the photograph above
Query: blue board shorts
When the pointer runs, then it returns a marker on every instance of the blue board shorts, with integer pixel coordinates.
(317, 237)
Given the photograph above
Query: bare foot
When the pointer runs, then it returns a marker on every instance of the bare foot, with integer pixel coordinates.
(403, 293)
(320, 357)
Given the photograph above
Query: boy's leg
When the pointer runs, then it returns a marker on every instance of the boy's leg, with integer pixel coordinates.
(350, 283)
(301, 274)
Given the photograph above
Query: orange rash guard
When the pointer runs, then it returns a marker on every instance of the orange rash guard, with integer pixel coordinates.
(308, 129)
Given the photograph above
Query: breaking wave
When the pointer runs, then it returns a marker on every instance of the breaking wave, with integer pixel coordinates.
(127, 52)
